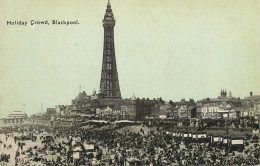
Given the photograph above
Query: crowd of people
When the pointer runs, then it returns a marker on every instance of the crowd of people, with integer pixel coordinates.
(205, 123)
(118, 145)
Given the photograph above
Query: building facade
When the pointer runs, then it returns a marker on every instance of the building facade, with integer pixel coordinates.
(251, 105)
(224, 106)
(16, 117)
(137, 109)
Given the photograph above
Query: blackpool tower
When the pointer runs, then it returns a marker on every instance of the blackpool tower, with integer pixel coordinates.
(109, 83)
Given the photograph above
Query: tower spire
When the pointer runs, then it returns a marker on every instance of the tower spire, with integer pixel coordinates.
(109, 83)
(108, 4)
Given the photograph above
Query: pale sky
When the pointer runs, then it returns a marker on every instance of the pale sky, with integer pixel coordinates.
(172, 49)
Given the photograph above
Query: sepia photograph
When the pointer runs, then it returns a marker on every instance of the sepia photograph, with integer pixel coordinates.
(129, 83)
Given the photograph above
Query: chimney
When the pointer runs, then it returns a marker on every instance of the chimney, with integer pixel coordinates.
(251, 93)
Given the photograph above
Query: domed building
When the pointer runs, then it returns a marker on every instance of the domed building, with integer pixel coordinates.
(81, 99)
(81, 102)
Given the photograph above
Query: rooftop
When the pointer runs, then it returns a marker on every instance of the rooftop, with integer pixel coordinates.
(16, 114)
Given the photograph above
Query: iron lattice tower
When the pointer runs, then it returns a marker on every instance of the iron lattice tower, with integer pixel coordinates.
(109, 83)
